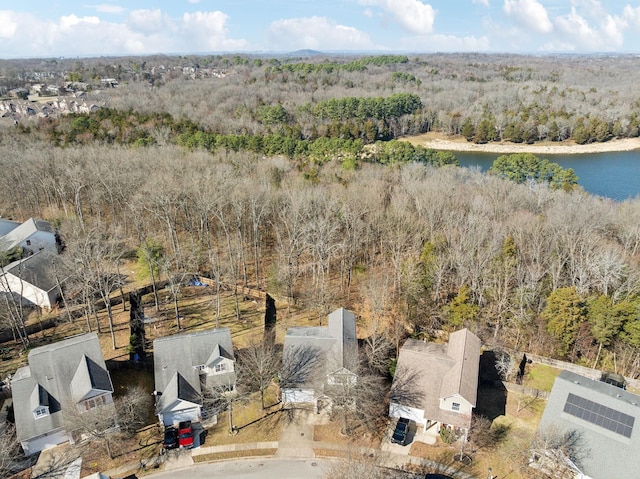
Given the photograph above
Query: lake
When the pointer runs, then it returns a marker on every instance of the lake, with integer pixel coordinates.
(615, 175)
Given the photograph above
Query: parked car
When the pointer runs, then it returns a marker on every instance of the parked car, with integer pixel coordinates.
(185, 434)
(170, 437)
(401, 432)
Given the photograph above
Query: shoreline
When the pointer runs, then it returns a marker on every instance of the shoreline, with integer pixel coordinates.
(625, 144)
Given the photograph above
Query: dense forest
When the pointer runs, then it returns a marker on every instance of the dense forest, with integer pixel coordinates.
(288, 175)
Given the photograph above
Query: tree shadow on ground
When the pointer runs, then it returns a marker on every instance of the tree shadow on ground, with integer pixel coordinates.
(492, 395)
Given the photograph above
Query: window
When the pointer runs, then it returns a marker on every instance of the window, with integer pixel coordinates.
(221, 367)
(93, 402)
(40, 412)
(28, 242)
(455, 406)
(199, 367)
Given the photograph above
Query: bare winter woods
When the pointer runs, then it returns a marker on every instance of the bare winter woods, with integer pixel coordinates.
(414, 247)
(410, 247)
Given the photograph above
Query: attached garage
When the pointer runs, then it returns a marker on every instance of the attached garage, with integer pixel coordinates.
(298, 396)
(415, 414)
(170, 418)
(46, 441)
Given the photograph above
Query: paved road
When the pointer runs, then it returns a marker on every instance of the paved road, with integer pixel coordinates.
(252, 469)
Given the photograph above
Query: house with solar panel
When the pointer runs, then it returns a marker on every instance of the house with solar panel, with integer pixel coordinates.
(188, 365)
(444, 380)
(68, 374)
(603, 419)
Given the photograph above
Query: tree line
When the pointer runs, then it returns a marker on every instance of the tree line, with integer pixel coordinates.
(419, 247)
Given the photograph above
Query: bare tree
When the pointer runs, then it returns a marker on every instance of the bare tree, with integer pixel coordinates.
(219, 398)
(95, 425)
(9, 450)
(133, 409)
(302, 366)
(258, 366)
(558, 453)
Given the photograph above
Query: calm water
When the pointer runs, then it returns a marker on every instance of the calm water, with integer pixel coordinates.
(614, 175)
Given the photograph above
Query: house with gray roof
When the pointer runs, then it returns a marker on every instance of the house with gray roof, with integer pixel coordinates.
(319, 356)
(185, 367)
(32, 236)
(441, 382)
(6, 226)
(602, 417)
(35, 278)
(66, 375)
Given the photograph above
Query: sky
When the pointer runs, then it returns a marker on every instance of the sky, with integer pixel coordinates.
(56, 28)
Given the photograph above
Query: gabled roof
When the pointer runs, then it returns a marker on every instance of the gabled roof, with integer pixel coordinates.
(462, 378)
(177, 389)
(337, 342)
(443, 371)
(182, 353)
(606, 418)
(21, 233)
(6, 226)
(89, 380)
(52, 368)
(39, 269)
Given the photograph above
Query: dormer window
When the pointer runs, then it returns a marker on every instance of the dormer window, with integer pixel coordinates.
(199, 367)
(221, 367)
(40, 412)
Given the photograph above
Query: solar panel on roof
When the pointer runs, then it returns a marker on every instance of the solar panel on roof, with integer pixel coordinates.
(600, 415)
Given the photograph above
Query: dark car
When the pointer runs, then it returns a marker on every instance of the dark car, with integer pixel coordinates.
(170, 438)
(401, 432)
(185, 434)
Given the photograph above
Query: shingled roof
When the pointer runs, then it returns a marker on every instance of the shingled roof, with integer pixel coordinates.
(337, 342)
(604, 418)
(177, 357)
(53, 371)
(443, 371)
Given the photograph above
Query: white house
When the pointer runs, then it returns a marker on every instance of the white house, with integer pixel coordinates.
(441, 382)
(69, 373)
(36, 278)
(184, 366)
(32, 236)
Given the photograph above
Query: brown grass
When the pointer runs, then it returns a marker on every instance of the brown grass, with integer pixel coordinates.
(216, 456)
(331, 433)
(506, 459)
(342, 453)
(252, 424)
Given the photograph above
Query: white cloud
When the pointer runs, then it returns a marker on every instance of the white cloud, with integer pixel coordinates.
(107, 8)
(315, 33)
(575, 29)
(481, 2)
(149, 21)
(8, 24)
(412, 15)
(531, 14)
(632, 15)
(208, 31)
(145, 31)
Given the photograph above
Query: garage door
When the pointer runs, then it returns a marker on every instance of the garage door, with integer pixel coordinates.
(298, 395)
(191, 414)
(417, 415)
(45, 442)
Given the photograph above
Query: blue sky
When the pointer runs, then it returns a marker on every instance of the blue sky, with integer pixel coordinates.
(48, 28)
